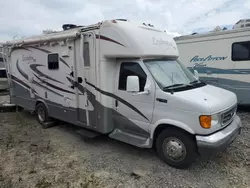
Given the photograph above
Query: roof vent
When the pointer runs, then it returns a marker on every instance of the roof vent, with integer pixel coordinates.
(69, 26)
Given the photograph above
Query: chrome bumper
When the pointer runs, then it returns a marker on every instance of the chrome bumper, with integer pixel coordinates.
(219, 140)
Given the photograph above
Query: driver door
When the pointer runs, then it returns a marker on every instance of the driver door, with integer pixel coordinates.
(134, 112)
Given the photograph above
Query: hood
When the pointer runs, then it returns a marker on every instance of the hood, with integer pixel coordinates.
(217, 99)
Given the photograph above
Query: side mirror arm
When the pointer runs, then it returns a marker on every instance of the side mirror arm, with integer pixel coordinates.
(142, 93)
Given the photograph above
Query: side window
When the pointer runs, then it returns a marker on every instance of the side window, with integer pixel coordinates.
(131, 69)
(3, 73)
(241, 51)
(53, 61)
(86, 55)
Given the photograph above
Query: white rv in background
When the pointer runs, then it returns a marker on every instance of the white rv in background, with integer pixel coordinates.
(222, 58)
(123, 80)
(3, 75)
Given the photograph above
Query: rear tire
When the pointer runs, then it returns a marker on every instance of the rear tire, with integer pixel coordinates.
(43, 116)
(176, 148)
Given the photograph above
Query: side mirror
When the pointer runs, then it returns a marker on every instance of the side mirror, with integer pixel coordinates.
(133, 84)
(196, 74)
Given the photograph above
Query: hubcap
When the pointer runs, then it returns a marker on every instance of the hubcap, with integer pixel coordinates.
(41, 114)
(174, 149)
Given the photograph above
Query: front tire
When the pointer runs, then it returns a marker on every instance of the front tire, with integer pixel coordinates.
(43, 116)
(176, 148)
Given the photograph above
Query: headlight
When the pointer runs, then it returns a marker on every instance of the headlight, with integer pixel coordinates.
(207, 121)
(215, 119)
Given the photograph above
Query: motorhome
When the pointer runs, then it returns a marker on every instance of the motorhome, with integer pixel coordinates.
(221, 57)
(122, 79)
(3, 76)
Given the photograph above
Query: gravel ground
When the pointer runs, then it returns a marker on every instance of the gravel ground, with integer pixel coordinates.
(59, 157)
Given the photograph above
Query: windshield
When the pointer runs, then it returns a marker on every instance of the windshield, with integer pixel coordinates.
(170, 73)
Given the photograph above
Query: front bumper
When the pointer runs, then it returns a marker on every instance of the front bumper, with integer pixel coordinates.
(219, 140)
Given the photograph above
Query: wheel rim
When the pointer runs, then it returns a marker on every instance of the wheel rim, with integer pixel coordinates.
(41, 114)
(174, 149)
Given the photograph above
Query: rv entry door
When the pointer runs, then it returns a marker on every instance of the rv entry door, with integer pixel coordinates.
(87, 79)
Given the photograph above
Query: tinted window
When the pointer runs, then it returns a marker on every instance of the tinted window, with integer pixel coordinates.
(3, 74)
(131, 69)
(241, 51)
(86, 55)
(53, 61)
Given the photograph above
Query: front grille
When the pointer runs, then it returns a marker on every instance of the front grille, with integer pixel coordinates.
(228, 116)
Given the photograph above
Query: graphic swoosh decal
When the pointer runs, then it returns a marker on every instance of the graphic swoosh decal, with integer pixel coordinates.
(205, 70)
(19, 48)
(76, 84)
(64, 62)
(34, 68)
(47, 51)
(108, 39)
(119, 99)
(15, 79)
(53, 86)
(42, 86)
(20, 71)
(19, 81)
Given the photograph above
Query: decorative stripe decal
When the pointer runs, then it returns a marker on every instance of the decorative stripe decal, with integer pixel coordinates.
(15, 79)
(119, 99)
(43, 50)
(81, 88)
(19, 81)
(40, 85)
(47, 51)
(18, 48)
(212, 70)
(20, 71)
(108, 39)
(76, 84)
(64, 62)
(34, 68)
(53, 86)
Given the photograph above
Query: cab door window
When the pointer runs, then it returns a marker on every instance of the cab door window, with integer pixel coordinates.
(131, 69)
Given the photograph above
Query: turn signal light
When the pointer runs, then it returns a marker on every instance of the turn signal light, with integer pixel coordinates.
(205, 121)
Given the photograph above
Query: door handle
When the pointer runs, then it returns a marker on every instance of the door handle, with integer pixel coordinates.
(162, 100)
(116, 103)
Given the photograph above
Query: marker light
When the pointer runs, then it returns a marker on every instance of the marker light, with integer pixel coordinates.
(205, 121)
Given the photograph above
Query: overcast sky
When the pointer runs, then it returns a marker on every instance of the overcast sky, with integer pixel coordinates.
(29, 17)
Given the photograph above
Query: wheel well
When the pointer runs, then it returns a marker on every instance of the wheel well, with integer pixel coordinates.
(39, 102)
(162, 127)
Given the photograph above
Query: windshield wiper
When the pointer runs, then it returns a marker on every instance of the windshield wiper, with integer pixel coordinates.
(171, 86)
(194, 82)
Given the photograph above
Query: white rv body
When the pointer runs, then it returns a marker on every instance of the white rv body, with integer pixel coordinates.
(221, 58)
(88, 76)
